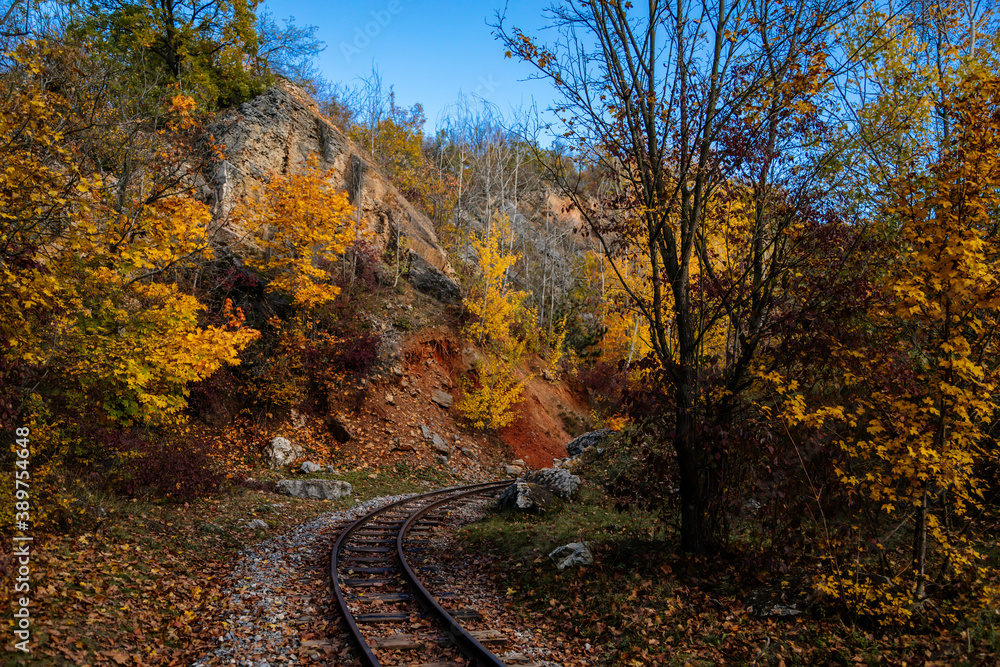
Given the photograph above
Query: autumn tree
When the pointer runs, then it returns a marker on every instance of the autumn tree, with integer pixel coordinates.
(82, 255)
(495, 309)
(288, 49)
(677, 101)
(304, 225)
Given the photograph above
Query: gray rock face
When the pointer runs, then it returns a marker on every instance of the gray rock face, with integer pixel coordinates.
(317, 489)
(277, 132)
(257, 524)
(426, 432)
(525, 497)
(573, 554)
(576, 446)
(561, 482)
(431, 280)
(444, 399)
(281, 451)
(310, 467)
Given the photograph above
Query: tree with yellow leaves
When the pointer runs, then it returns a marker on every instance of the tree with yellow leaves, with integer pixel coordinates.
(304, 224)
(81, 300)
(494, 308)
(947, 290)
(916, 404)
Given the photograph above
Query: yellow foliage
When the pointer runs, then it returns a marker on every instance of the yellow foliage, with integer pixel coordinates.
(556, 345)
(304, 224)
(487, 404)
(915, 448)
(78, 299)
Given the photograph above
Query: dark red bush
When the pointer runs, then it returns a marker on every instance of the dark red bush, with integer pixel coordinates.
(605, 385)
(161, 468)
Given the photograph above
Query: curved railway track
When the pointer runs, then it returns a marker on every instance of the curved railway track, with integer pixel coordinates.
(384, 589)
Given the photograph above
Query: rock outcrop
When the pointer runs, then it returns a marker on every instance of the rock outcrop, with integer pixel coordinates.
(587, 440)
(278, 132)
(525, 497)
(537, 491)
(561, 482)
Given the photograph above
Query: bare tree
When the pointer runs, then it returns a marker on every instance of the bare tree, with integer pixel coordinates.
(677, 101)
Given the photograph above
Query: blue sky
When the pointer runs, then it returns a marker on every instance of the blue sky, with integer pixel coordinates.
(428, 50)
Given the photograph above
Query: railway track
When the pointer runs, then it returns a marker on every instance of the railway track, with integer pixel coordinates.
(397, 608)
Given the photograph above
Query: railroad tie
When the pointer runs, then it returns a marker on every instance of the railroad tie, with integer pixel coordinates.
(489, 637)
(362, 569)
(398, 643)
(384, 597)
(519, 660)
(367, 583)
(385, 617)
(467, 615)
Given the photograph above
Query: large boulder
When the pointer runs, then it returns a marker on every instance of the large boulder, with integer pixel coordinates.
(316, 489)
(281, 452)
(558, 481)
(596, 438)
(279, 132)
(512, 470)
(440, 446)
(525, 497)
(442, 398)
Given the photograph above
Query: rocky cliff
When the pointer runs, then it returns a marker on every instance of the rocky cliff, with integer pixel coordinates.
(278, 132)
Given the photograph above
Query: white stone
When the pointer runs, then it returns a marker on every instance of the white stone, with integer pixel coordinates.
(281, 451)
(319, 489)
(568, 555)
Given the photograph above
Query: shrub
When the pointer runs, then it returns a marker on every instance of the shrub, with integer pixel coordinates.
(173, 468)
(605, 385)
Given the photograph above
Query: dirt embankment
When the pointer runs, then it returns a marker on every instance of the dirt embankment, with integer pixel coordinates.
(415, 392)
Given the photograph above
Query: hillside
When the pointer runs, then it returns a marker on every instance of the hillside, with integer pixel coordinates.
(281, 132)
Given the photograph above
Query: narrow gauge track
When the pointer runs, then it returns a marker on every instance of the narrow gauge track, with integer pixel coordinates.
(375, 570)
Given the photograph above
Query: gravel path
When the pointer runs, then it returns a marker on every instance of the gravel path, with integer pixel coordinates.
(279, 602)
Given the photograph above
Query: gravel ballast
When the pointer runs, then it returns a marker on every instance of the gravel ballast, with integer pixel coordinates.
(268, 598)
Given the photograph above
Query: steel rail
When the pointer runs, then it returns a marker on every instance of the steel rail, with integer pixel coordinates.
(466, 643)
(367, 657)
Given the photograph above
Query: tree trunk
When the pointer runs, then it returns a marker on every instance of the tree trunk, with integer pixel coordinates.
(695, 536)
